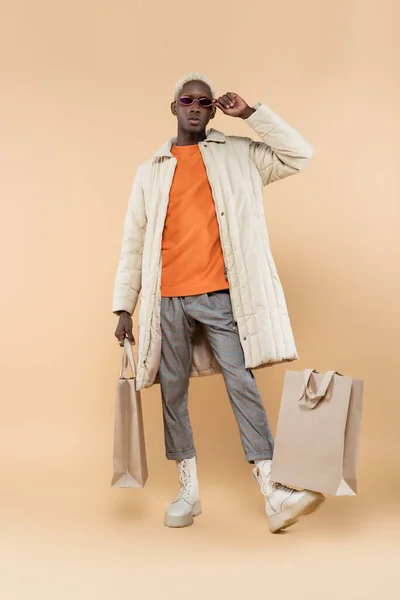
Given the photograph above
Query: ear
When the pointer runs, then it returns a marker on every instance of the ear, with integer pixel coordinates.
(173, 108)
(213, 111)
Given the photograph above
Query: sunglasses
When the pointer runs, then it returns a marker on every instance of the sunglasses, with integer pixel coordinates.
(203, 102)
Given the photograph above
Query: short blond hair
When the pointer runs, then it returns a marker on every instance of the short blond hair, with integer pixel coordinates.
(192, 77)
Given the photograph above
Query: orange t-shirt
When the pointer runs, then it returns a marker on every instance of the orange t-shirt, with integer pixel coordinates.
(192, 259)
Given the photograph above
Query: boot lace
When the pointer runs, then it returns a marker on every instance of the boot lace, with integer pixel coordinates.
(269, 487)
(186, 481)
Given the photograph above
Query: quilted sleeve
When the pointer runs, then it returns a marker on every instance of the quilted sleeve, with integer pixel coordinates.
(128, 281)
(282, 152)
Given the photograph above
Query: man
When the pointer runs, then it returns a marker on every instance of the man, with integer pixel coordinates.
(195, 243)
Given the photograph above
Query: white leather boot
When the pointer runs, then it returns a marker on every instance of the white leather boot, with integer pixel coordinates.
(187, 505)
(283, 505)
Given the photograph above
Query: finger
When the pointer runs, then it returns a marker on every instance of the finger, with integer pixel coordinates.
(232, 98)
(219, 105)
(131, 338)
(229, 101)
(223, 102)
(120, 337)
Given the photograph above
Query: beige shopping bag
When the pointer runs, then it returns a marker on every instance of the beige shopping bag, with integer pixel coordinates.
(318, 434)
(130, 462)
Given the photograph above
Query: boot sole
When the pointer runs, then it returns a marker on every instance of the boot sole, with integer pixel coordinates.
(306, 506)
(184, 520)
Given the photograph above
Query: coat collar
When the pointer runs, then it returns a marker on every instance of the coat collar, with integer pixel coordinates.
(212, 136)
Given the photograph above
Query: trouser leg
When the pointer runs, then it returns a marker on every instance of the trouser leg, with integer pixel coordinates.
(214, 312)
(177, 331)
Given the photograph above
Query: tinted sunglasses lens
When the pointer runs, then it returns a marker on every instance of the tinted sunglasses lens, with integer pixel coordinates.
(186, 101)
(205, 102)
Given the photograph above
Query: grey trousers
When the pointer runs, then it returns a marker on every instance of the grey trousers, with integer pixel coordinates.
(213, 311)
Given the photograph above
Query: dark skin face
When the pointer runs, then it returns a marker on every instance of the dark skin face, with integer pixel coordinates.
(193, 120)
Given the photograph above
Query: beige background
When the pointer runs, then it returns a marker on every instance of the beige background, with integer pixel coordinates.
(85, 93)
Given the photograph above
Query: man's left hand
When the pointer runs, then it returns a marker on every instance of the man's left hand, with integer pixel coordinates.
(233, 105)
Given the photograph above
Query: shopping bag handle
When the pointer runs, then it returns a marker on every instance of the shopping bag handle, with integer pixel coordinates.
(127, 358)
(310, 399)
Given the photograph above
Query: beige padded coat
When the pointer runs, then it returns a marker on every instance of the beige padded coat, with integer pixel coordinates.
(237, 168)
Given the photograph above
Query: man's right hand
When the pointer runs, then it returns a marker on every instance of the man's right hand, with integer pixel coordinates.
(124, 329)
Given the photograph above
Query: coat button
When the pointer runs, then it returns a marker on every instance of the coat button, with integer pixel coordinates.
(222, 214)
(244, 339)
